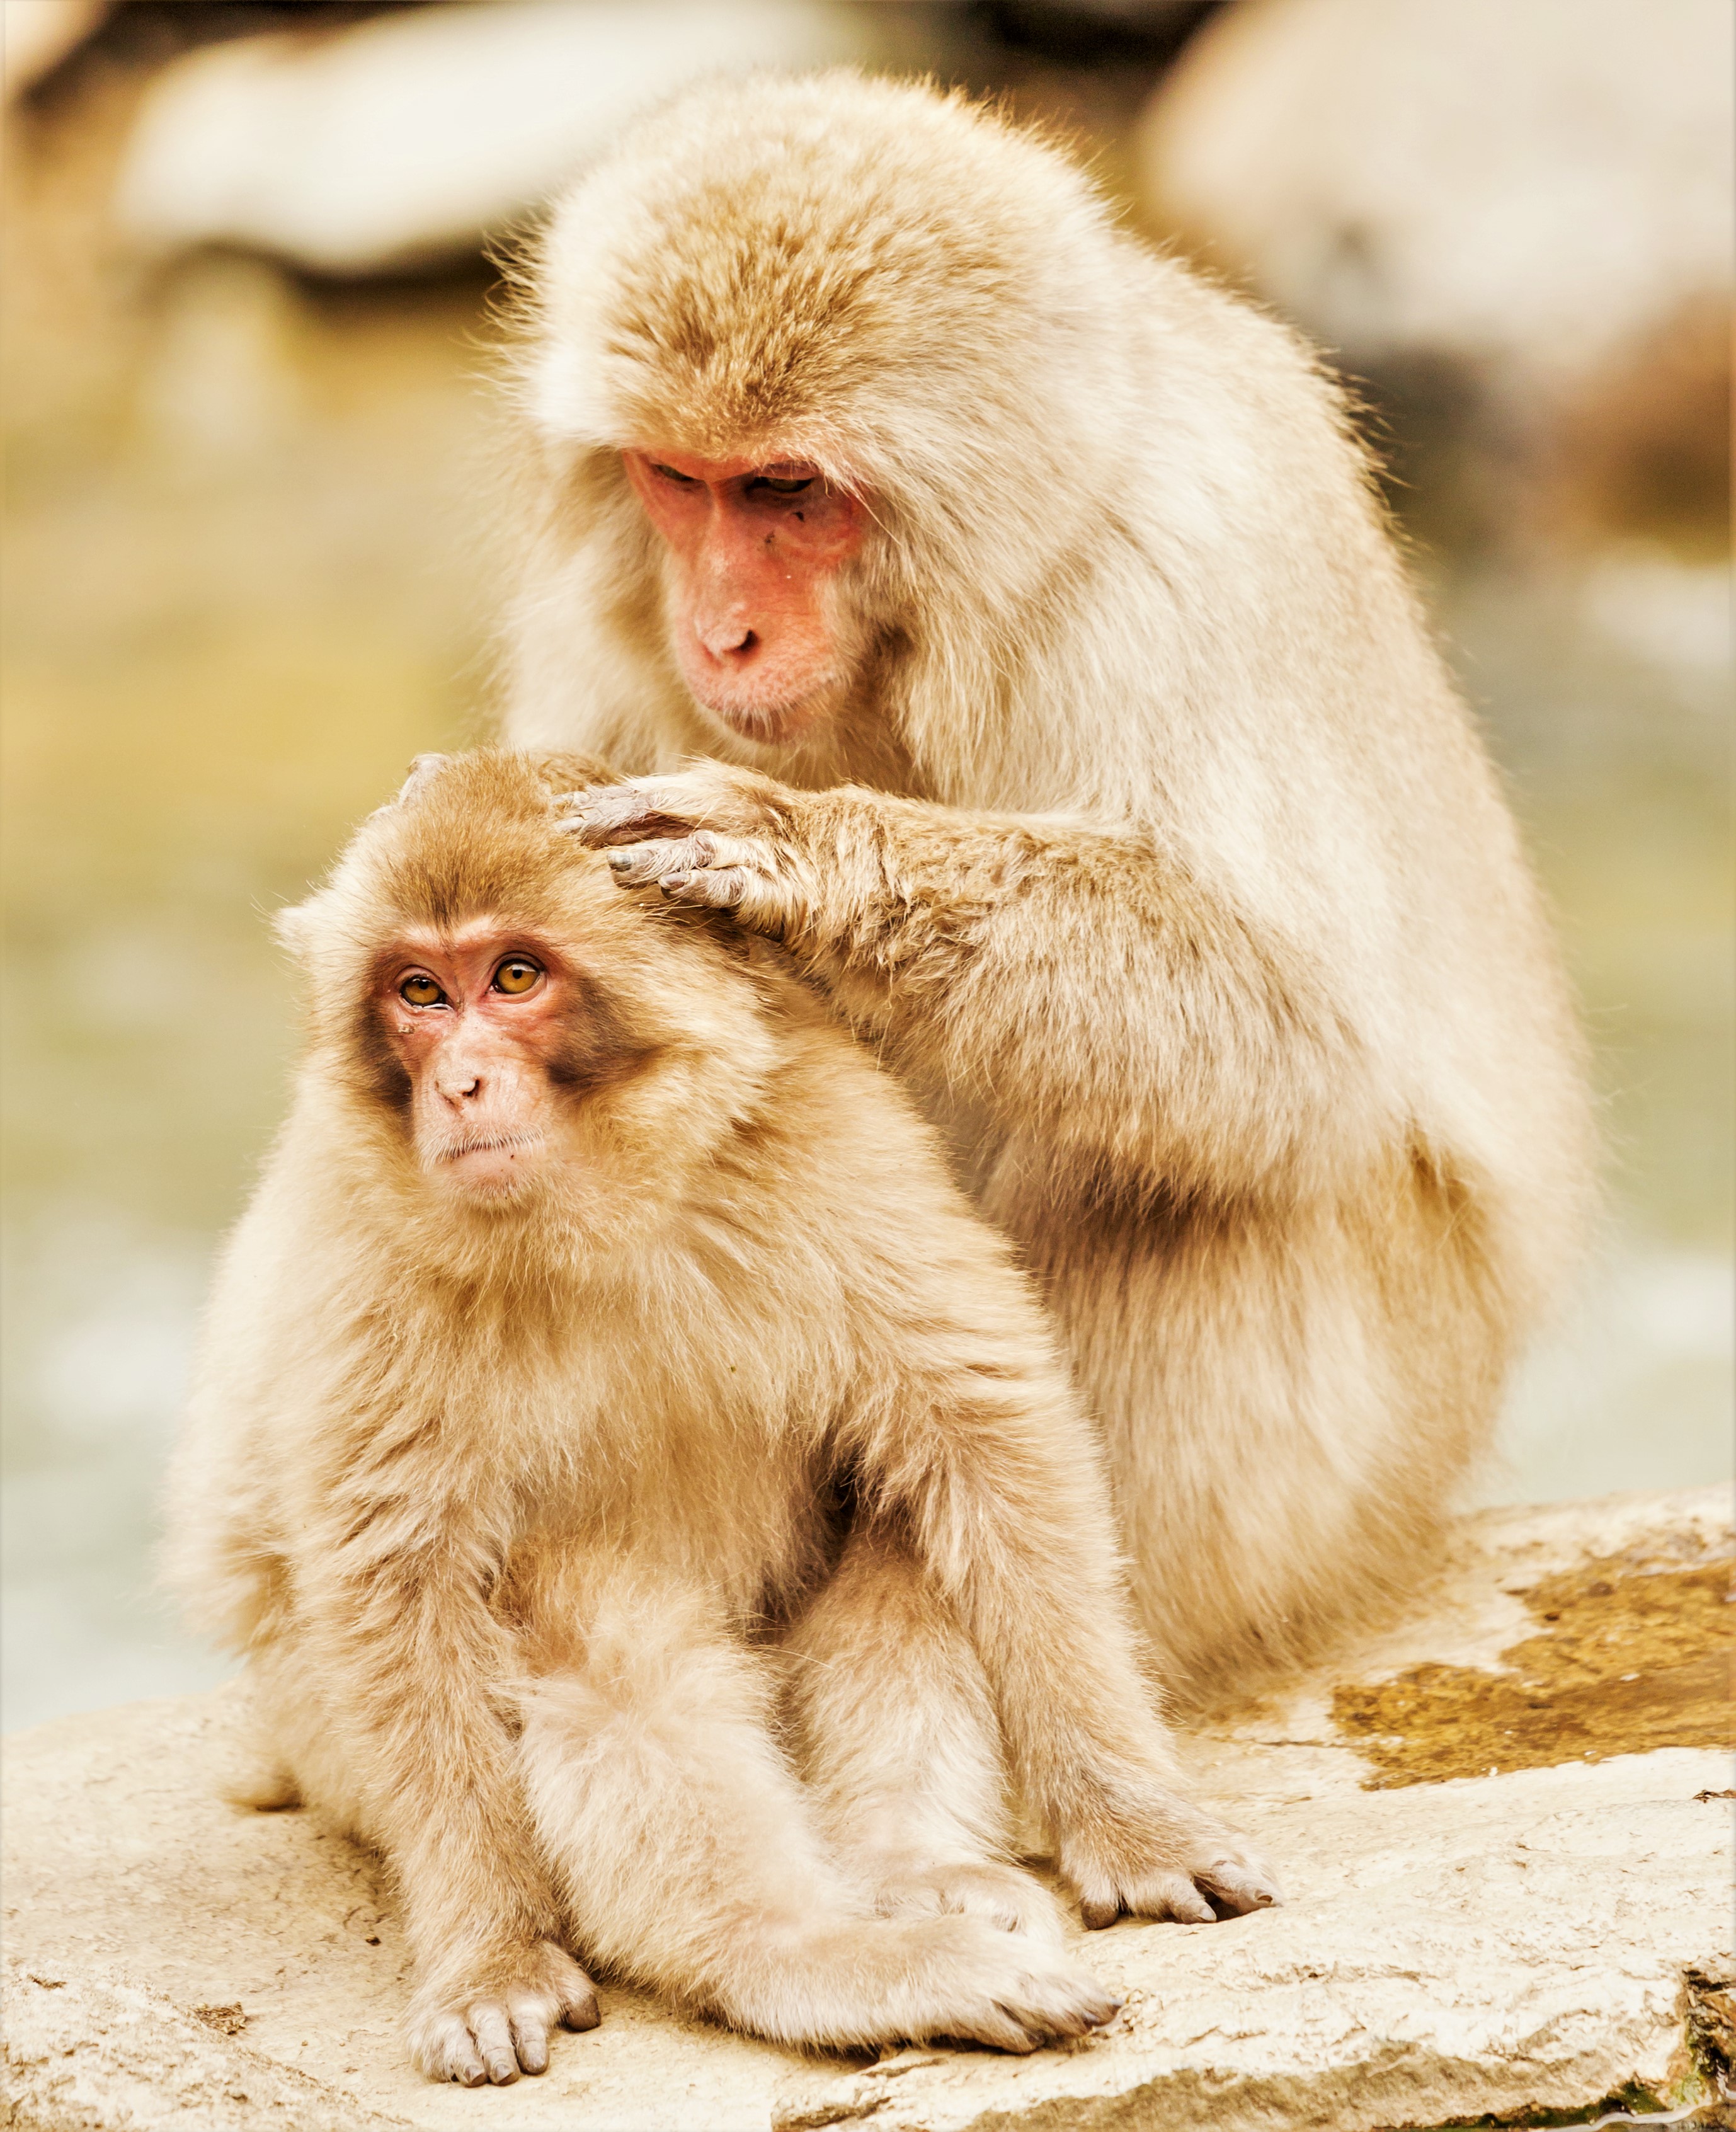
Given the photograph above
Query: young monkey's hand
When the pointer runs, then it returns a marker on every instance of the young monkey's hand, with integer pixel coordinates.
(1169, 1860)
(496, 2023)
(708, 835)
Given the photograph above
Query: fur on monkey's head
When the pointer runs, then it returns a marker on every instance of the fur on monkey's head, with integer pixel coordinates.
(894, 285)
(464, 834)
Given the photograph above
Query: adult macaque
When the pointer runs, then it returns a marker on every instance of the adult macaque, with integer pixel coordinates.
(608, 1380)
(1074, 730)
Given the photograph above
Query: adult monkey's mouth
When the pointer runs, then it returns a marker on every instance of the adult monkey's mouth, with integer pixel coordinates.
(494, 1144)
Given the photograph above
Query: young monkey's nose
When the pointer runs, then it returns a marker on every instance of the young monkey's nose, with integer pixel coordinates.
(456, 1083)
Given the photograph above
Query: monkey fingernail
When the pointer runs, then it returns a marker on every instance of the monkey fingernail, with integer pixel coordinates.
(671, 884)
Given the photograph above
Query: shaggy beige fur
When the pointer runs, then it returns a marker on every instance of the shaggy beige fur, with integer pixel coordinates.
(1150, 841)
(673, 1559)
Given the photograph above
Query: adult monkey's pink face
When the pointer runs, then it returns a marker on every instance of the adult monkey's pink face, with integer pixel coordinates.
(756, 619)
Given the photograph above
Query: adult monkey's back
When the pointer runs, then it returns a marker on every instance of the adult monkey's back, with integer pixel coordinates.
(1094, 756)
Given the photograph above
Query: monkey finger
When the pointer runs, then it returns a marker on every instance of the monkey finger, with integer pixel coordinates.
(1052, 2006)
(578, 2006)
(602, 811)
(446, 2050)
(1239, 1885)
(634, 865)
(1170, 1895)
(1099, 1906)
(531, 2038)
(492, 2027)
(995, 2026)
(726, 888)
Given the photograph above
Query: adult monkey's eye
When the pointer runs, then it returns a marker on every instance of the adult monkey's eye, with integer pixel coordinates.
(421, 990)
(518, 973)
(668, 473)
(783, 484)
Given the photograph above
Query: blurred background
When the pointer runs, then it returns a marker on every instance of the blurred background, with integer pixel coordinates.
(248, 576)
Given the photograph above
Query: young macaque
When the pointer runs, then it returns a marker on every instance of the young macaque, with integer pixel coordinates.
(646, 1492)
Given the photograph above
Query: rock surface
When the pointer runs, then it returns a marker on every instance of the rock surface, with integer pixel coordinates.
(1533, 186)
(407, 138)
(1509, 1874)
(36, 35)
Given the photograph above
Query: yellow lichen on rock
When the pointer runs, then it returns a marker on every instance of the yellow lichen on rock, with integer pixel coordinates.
(1626, 1660)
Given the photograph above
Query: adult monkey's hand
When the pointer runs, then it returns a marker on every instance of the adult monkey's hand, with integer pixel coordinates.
(727, 839)
(889, 902)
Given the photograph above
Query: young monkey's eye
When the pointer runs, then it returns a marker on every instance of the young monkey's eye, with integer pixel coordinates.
(420, 990)
(518, 973)
(782, 484)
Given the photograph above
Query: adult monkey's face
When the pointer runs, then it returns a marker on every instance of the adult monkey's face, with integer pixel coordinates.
(756, 619)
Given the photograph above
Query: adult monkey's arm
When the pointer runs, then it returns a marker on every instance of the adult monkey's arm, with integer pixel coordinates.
(1082, 981)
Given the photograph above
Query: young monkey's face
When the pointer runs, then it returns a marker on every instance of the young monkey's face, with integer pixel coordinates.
(480, 1019)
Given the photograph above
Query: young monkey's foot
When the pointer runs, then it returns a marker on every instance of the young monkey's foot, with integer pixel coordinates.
(981, 1985)
(1001, 1895)
(495, 2024)
(915, 1978)
(1172, 1862)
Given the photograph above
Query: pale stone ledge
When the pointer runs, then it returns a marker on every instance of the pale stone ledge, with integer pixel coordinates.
(1509, 1895)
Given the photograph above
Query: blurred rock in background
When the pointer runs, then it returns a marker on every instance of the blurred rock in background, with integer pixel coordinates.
(1517, 223)
(249, 564)
(36, 35)
(412, 137)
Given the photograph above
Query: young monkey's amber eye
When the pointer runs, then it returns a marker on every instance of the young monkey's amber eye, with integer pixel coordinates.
(421, 991)
(518, 973)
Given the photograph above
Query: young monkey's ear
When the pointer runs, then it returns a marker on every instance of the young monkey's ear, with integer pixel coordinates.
(294, 928)
(422, 768)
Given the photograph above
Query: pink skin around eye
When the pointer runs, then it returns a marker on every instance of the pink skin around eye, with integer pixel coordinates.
(478, 1057)
(752, 620)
